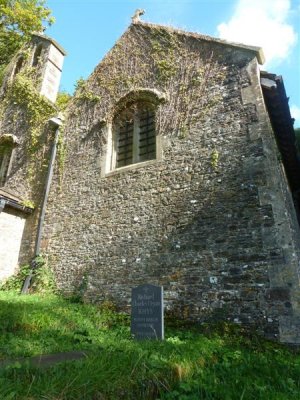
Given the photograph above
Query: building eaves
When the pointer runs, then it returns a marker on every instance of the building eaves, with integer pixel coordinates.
(258, 51)
(8, 199)
(282, 123)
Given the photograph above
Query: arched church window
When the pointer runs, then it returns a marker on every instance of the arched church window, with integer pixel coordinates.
(134, 134)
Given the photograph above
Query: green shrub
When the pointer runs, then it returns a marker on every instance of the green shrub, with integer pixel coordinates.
(16, 281)
(42, 278)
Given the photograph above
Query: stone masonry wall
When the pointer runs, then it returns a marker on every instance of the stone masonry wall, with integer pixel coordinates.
(212, 221)
(26, 178)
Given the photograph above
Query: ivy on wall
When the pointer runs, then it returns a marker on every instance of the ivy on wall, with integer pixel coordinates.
(157, 58)
(23, 102)
(22, 92)
(83, 93)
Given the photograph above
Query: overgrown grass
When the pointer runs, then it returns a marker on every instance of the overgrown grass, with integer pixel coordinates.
(192, 363)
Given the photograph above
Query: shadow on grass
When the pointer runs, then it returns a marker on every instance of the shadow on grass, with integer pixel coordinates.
(218, 363)
(35, 325)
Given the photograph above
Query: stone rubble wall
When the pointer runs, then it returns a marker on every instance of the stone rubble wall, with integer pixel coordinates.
(220, 236)
(28, 186)
(26, 178)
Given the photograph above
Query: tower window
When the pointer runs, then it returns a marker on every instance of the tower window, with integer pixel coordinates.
(18, 66)
(5, 157)
(7, 145)
(37, 55)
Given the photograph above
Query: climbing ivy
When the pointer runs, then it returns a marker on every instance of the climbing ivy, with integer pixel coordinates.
(22, 92)
(28, 203)
(63, 100)
(161, 58)
(36, 110)
(164, 47)
(43, 280)
(83, 93)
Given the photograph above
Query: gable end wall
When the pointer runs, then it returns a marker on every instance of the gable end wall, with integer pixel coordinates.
(217, 232)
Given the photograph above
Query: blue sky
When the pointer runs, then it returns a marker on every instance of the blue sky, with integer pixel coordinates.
(87, 29)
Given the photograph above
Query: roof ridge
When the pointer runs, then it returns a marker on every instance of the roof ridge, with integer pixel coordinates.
(256, 49)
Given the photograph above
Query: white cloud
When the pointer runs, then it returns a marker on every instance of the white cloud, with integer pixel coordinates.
(295, 113)
(262, 23)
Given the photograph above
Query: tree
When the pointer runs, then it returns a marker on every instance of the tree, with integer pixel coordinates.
(18, 19)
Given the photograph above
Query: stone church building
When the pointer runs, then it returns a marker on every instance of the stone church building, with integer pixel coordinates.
(175, 165)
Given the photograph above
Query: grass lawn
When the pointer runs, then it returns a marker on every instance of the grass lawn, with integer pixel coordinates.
(220, 363)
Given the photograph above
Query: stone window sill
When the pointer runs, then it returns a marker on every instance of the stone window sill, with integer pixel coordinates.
(131, 167)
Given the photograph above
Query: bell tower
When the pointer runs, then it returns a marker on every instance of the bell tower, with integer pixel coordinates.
(44, 58)
(47, 58)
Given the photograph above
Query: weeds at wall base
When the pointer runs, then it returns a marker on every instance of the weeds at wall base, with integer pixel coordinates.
(42, 281)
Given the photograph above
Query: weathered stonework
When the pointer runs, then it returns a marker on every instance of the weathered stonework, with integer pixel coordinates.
(25, 122)
(211, 220)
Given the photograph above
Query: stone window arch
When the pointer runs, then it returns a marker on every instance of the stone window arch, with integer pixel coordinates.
(37, 54)
(18, 66)
(7, 145)
(132, 133)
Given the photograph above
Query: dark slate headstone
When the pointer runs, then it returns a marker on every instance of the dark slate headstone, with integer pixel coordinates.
(147, 315)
